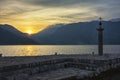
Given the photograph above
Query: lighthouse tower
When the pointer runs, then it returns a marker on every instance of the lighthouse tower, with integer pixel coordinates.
(100, 38)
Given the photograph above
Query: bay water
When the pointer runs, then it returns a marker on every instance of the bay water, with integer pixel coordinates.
(34, 50)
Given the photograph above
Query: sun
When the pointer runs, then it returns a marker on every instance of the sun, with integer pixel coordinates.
(29, 32)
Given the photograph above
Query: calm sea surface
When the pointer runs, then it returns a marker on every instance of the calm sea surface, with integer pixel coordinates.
(32, 50)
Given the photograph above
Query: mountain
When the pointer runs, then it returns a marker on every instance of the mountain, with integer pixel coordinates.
(11, 36)
(79, 33)
(115, 20)
(50, 30)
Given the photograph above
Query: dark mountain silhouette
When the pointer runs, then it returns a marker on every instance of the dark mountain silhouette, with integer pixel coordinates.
(11, 36)
(50, 30)
(115, 20)
(79, 33)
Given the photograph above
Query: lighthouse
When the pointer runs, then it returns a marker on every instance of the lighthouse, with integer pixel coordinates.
(100, 38)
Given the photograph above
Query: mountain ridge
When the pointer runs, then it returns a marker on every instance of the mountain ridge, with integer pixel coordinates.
(81, 33)
(11, 36)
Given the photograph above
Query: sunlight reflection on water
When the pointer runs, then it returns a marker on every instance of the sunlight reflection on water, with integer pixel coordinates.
(33, 50)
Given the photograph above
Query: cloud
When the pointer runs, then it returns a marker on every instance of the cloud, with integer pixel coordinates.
(22, 6)
(71, 3)
(11, 8)
(60, 3)
(47, 12)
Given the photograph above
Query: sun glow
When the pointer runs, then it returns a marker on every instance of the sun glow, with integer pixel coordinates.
(29, 32)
